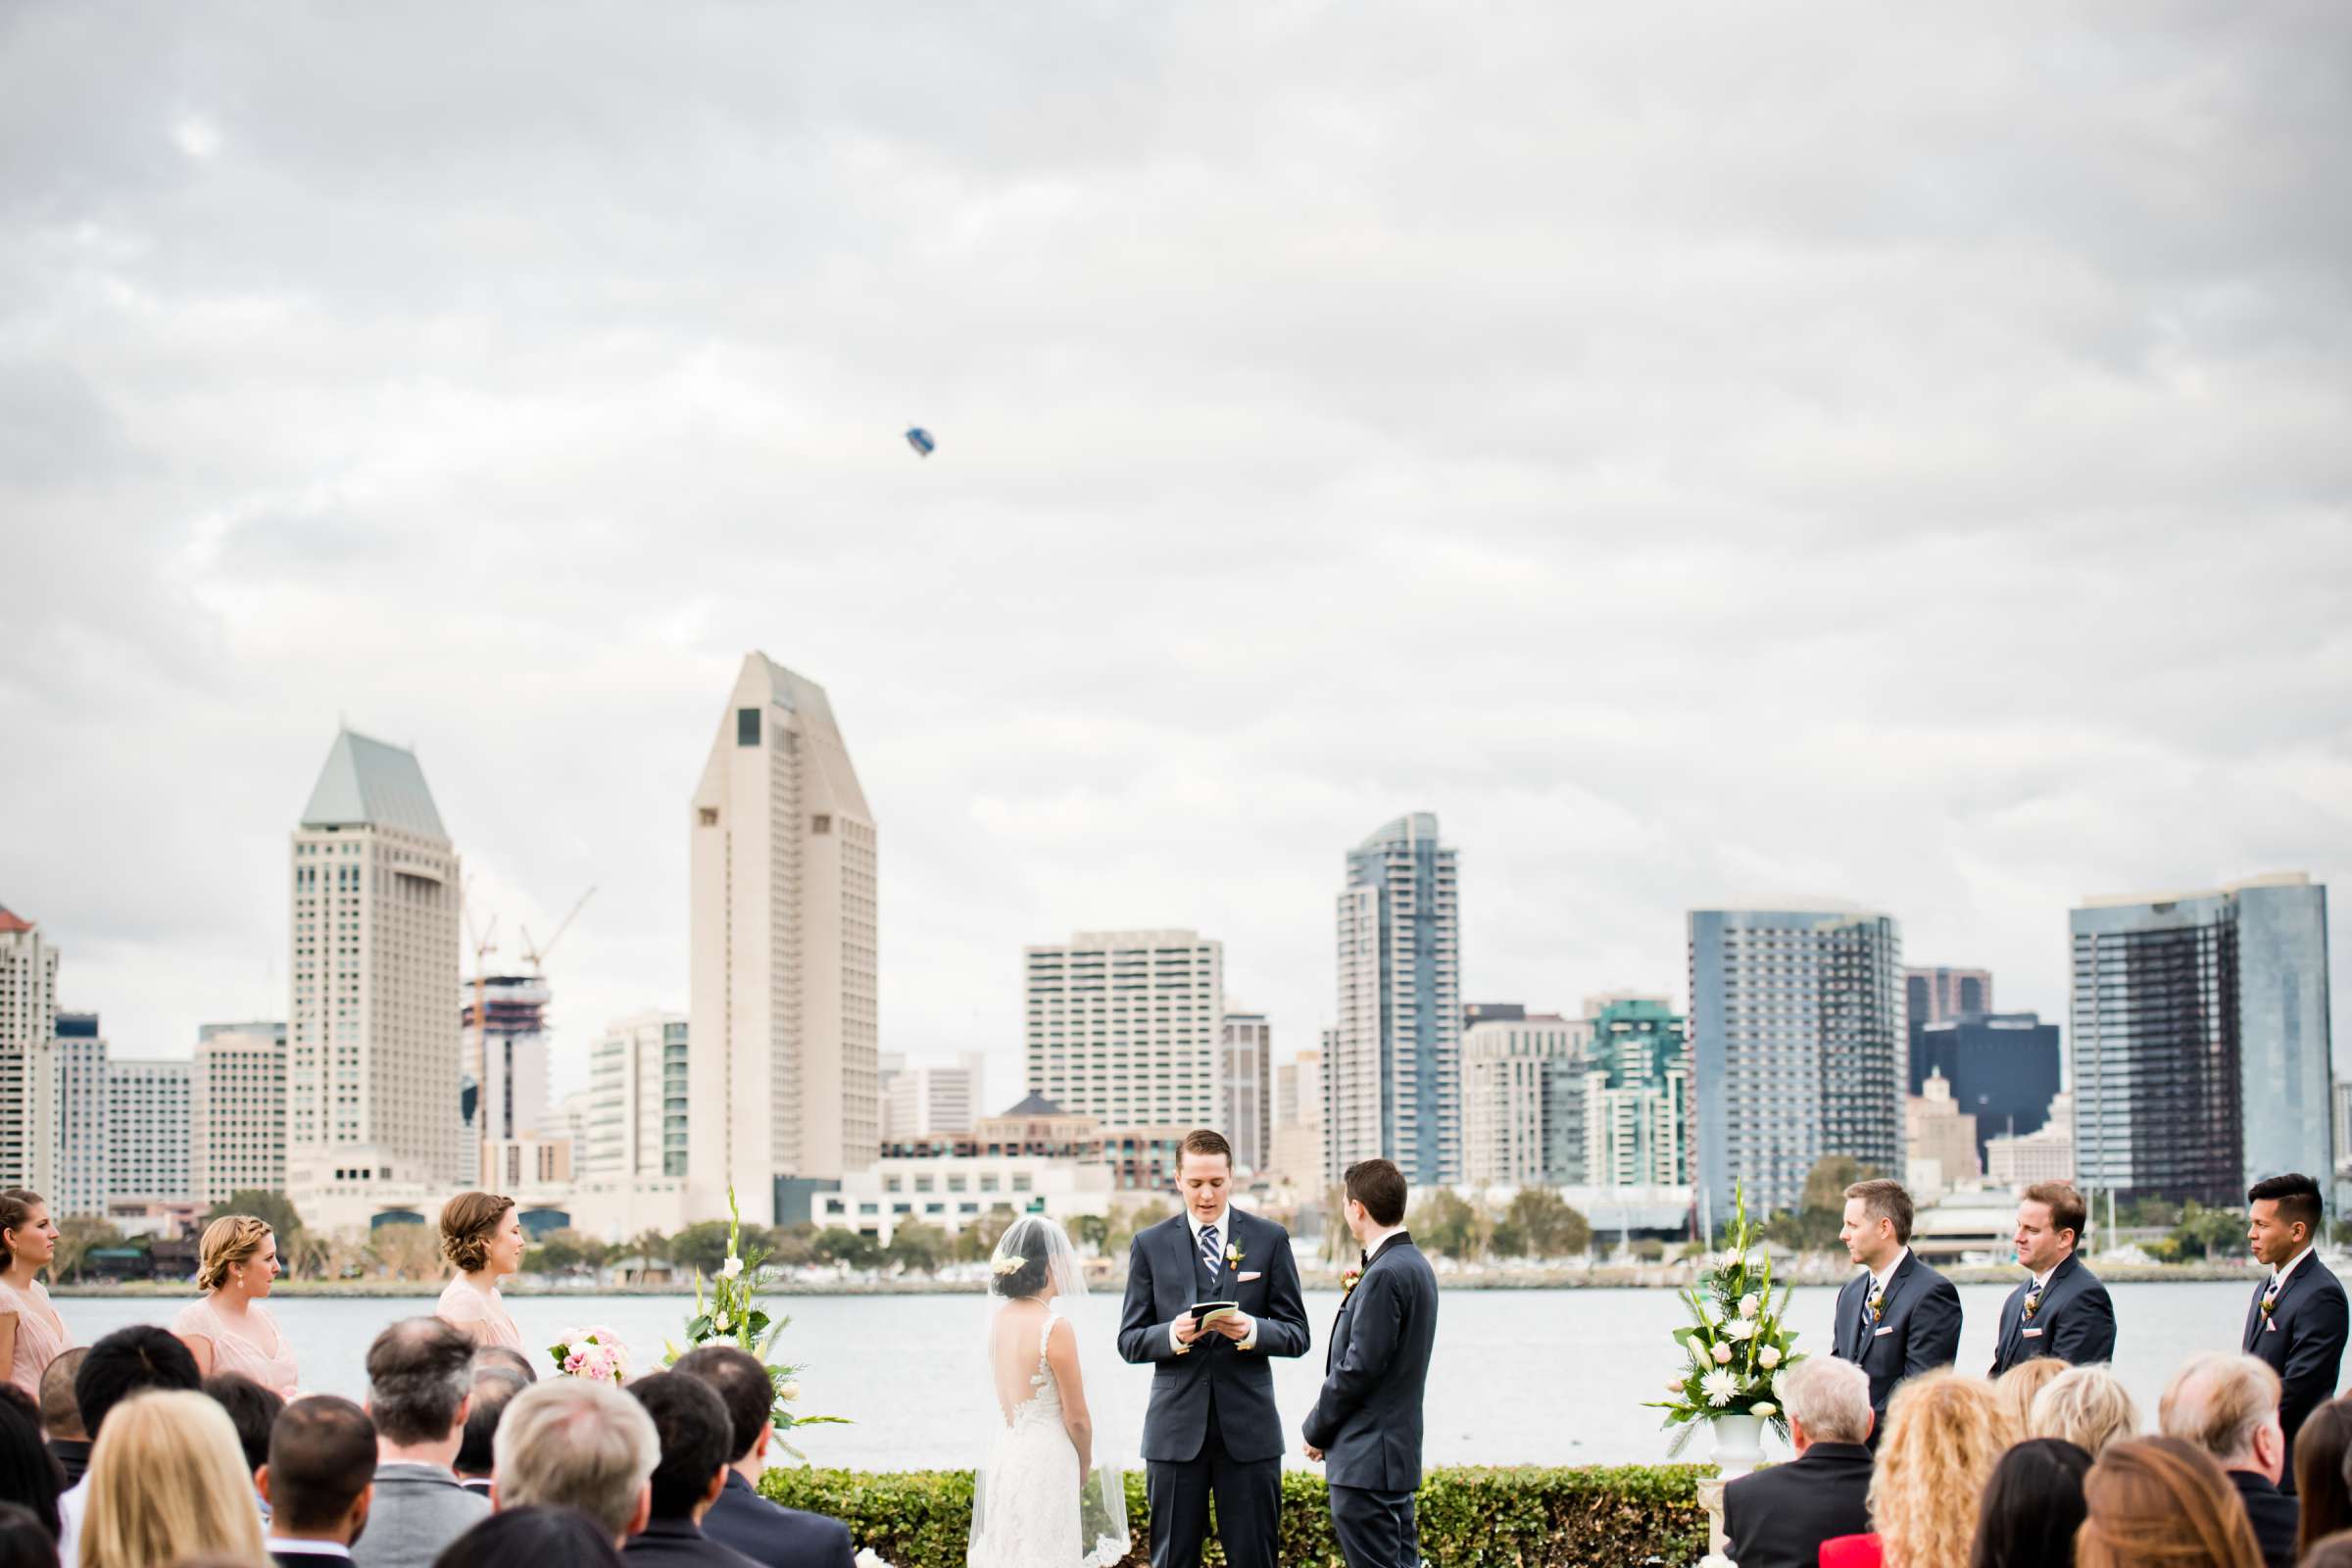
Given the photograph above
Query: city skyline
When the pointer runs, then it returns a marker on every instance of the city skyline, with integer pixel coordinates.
(1949, 520)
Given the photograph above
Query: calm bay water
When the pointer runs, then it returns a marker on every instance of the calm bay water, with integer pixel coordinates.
(1520, 1377)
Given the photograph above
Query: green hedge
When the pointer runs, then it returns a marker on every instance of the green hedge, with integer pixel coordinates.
(1520, 1517)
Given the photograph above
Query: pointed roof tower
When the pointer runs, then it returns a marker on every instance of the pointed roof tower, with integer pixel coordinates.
(367, 783)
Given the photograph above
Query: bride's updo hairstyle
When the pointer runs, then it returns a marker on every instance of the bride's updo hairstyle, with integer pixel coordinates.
(1023, 1260)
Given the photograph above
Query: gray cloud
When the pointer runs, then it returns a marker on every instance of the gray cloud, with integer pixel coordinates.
(1700, 454)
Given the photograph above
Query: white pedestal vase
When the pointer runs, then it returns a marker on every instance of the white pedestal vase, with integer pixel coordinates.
(1739, 1449)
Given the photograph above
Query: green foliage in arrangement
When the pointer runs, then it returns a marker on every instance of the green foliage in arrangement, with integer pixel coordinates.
(1470, 1517)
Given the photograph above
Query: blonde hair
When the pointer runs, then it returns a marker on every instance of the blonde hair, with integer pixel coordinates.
(572, 1444)
(2018, 1387)
(166, 1482)
(1945, 1434)
(2086, 1405)
(467, 1222)
(2219, 1402)
(227, 1241)
(2159, 1502)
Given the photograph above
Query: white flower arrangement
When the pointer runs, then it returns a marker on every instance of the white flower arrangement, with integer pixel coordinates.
(731, 1314)
(1740, 1328)
(1765, 1409)
(1719, 1387)
(1737, 1338)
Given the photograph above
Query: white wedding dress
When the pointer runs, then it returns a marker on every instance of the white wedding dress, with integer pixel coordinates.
(1028, 1516)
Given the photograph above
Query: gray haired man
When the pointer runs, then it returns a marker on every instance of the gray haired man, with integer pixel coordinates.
(1778, 1518)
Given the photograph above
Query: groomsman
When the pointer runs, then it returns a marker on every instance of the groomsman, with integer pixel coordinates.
(2296, 1321)
(1900, 1317)
(2063, 1310)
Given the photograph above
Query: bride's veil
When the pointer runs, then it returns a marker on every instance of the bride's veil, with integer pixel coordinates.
(1103, 1539)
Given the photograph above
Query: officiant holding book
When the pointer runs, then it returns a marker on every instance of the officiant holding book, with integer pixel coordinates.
(1211, 1294)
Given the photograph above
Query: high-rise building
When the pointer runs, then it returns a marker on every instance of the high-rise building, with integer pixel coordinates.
(1394, 1073)
(630, 1160)
(1523, 1100)
(506, 1057)
(1940, 995)
(374, 1123)
(1940, 1141)
(1245, 1088)
(1124, 1025)
(80, 1061)
(927, 1098)
(1798, 1043)
(785, 986)
(1295, 1154)
(2201, 1040)
(2046, 1154)
(2003, 1067)
(1637, 1115)
(237, 1118)
(147, 1123)
(28, 1120)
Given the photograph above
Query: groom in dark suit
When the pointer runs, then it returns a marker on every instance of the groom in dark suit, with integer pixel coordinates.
(1900, 1317)
(2063, 1310)
(1211, 1428)
(1366, 1424)
(2296, 1320)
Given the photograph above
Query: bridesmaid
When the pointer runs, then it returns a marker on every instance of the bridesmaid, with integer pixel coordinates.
(32, 1334)
(482, 1236)
(228, 1329)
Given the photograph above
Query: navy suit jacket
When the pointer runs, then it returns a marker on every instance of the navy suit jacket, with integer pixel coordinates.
(2074, 1321)
(2303, 1341)
(781, 1538)
(1918, 1328)
(677, 1543)
(1777, 1517)
(1165, 1278)
(1368, 1420)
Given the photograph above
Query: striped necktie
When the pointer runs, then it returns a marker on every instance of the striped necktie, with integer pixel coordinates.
(1210, 1258)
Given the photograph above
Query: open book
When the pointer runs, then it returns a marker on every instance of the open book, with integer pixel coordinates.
(1208, 1312)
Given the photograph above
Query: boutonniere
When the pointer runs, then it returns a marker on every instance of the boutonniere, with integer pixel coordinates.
(1348, 1282)
(2268, 1302)
(1878, 1305)
(1233, 1255)
(2033, 1303)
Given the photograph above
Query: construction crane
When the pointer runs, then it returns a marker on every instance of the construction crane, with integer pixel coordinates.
(533, 954)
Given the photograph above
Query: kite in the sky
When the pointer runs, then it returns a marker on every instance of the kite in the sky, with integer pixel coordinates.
(920, 439)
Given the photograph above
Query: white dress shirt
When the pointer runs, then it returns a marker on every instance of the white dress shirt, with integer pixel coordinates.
(1195, 1223)
(293, 1548)
(2278, 1280)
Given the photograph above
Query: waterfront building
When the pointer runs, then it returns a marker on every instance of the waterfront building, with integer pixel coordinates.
(2003, 1067)
(952, 1192)
(784, 930)
(2046, 1154)
(1797, 1042)
(1523, 1100)
(2201, 1049)
(630, 1168)
(1939, 1141)
(1244, 1089)
(29, 1083)
(1125, 1026)
(237, 1111)
(147, 1133)
(1636, 1117)
(80, 1065)
(1392, 1074)
(920, 1099)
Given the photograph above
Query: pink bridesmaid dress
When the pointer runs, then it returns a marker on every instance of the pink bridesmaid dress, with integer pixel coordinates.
(268, 1360)
(41, 1336)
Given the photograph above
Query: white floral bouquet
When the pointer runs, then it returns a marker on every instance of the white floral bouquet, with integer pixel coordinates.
(596, 1354)
(1738, 1342)
(732, 1315)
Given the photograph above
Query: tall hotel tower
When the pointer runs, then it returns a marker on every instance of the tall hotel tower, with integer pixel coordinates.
(1393, 1076)
(373, 1124)
(784, 1033)
(1797, 1031)
(30, 1086)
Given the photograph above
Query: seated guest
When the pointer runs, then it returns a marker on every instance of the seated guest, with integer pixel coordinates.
(2159, 1501)
(166, 1483)
(419, 1378)
(317, 1474)
(2086, 1407)
(692, 1423)
(125, 1363)
(506, 1358)
(518, 1537)
(29, 1473)
(2032, 1506)
(1945, 1434)
(788, 1538)
(2330, 1551)
(24, 1544)
(571, 1444)
(2018, 1386)
(61, 1417)
(493, 1388)
(2323, 1490)
(2227, 1405)
(252, 1410)
(1779, 1518)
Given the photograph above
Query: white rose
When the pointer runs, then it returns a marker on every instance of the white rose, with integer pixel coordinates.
(1769, 1358)
(789, 1392)
(1749, 1304)
(734, 1266)
(1764, 1407)
(1723, 1356)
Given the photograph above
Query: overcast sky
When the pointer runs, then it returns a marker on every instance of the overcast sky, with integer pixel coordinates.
(1704, 454)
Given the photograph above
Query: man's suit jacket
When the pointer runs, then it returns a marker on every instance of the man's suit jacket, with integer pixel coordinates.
(1918, 1328)
(1779, 1518)
(1368, 1420)
(781, 1538)
(2303, 1340)
(417, 1510)
(677, 1543)
(1164, 1277)
(2074, 1321)
(2274, 1516)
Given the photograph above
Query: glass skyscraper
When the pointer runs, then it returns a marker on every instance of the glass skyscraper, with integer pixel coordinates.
(1392, 1079)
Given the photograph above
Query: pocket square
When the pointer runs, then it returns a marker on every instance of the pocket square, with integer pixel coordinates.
(1253, 1274)
(1880, 1334)
(2270, 1326)
(2032, 1333)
